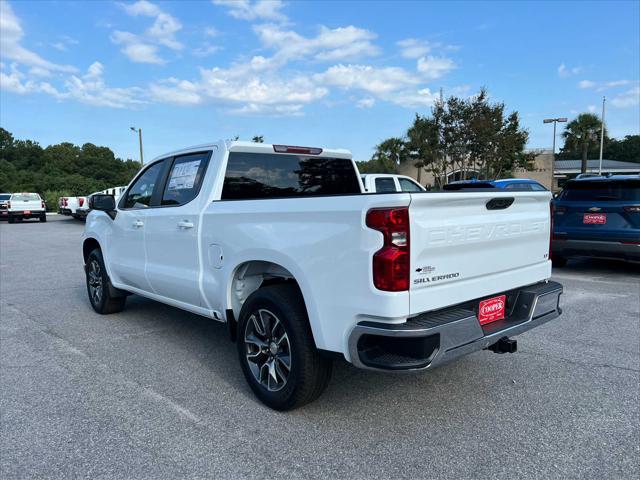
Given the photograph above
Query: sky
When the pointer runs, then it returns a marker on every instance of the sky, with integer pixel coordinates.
(334, 74)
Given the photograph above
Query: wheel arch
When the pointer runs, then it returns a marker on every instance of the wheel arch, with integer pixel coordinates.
(248, 276)
(88, 245)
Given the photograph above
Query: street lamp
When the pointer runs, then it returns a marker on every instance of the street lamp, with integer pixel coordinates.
(553, 161)
(139, 130)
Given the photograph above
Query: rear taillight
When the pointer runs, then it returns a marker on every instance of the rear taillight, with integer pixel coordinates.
(65, 201)
(42, 203)
(9, 204)
(81, 201)
(391, 262)
(632, 208)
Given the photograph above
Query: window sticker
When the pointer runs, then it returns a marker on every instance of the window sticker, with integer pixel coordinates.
(183, 175)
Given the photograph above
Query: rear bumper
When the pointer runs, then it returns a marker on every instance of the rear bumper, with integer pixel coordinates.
(33, 214)
(593, 248)
(435, 338)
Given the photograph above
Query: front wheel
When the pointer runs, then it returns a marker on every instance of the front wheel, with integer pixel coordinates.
(276, 349)
(11, 219)
(104, 297)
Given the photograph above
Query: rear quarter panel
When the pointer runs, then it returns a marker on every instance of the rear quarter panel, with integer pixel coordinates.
(322, 241)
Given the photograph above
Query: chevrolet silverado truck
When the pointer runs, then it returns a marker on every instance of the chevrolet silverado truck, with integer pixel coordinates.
(282, 244)
(22, 206)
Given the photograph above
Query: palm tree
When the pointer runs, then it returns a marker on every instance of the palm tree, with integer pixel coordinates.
(389, 154)
(582, 132)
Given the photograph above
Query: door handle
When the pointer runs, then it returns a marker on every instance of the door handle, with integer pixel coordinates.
(138, 224)
(185, 224)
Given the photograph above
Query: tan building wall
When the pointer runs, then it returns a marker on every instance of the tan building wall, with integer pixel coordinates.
(542, 170)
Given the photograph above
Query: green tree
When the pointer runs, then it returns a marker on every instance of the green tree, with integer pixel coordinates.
(258, 139)
(625, 150)
(580, 134)
(59, 170)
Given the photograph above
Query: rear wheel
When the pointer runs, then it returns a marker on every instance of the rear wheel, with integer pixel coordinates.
(104, 297)
(43, 217)
(276, 349)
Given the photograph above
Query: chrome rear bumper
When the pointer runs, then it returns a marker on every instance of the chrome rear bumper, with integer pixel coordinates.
(434, 338)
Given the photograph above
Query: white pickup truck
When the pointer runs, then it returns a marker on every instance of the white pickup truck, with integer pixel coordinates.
(22, 206)
(281, 244)
(71, 205)
(388, 183)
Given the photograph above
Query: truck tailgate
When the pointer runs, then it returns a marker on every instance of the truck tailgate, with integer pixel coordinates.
(462, 250)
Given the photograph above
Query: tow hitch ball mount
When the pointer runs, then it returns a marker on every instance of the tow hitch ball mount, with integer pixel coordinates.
(504, 345)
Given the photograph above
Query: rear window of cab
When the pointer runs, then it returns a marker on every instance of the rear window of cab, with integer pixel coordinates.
(25, 197)
(265, 175)
(602, 191)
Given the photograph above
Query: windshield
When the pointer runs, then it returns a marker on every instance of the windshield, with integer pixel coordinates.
(602, 191)
(4, 196)
(25, 197)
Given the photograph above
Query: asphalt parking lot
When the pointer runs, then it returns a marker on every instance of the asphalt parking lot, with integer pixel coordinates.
(155, 392)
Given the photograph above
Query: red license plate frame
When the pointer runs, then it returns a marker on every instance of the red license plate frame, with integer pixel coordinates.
(27, 212)
(492, 309)
(594, 218)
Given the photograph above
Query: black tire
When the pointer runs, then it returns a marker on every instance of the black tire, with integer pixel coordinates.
(11, 219)
(110, 299)
(309, 372)
(43, 218)
(558, 261)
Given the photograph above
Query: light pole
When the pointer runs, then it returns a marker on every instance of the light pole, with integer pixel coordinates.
(553, 158)
(601, 137)
(139, 130)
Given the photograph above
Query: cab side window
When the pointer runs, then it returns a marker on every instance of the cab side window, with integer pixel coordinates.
(185, 178)
(407, 185)
(385, 185)
(139, 195)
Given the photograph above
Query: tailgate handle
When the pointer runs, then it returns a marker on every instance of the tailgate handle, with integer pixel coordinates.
(499, 203)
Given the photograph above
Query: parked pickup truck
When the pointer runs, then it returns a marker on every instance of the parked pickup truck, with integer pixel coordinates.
(281, 244)
(24, 206)
(386, 183)
(70, 206)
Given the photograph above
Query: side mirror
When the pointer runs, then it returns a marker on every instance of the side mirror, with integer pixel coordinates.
(103, 202)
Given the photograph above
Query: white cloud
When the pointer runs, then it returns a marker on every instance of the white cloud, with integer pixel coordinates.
(592, 108)
(331, 44)
(413, 48)
(142, 7)
(247, 88)
(63, 43)
(254, 10)
(366, 102)
(89, 88)
(630, 98)
(586, 84)
(205, 50)
(434, 67)
(367, 78)
(392, 84)
(11, 35)
(144, 48)
(565, 71)
(211, 32)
